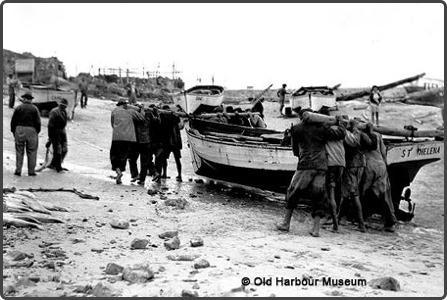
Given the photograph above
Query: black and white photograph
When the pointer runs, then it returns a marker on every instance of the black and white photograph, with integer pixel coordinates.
(223, 150)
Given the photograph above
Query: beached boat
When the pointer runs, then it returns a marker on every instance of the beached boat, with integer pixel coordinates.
(255, 157)
(313, 97)
(200, 98)
(47, 97)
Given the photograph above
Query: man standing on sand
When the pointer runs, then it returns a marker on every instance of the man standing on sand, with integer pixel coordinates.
(11, 90)
(122, 120)
(171, 125)
(57, 135)
(281, 93)
(375, 99)
(356, 142)
(25, 126)
(376, 184)
(83, 87)
(308, 144)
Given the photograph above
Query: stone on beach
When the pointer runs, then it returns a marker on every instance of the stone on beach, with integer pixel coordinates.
(183, 257)
(173, 243)
(168, 234)
(201, 264)
(137, 275)
(119, 224)
(113, 269)
(179, 203)
(18, 255)
(139, 244)
(385, 283)
(189, 294)
(196, 242)
(101, 290)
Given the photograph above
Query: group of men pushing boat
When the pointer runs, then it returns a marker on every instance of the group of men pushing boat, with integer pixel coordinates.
(149, 133)
(340, 166)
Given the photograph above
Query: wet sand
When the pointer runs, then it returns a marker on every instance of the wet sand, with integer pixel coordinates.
(236, 225)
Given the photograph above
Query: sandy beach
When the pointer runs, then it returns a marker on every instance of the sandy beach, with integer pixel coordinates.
(236, 225)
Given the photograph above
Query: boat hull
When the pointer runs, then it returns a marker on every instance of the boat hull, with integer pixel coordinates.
(271, 167)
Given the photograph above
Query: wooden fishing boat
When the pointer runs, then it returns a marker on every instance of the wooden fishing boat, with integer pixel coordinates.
(313, 97)
(200, 98)
(256, 157)
(47, 97)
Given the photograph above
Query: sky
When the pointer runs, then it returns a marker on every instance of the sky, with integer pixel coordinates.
(239, 45)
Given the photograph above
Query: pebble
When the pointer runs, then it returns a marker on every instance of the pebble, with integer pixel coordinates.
(113, 269)
(196, 242)
(18, 255)
(201, 264)
(277, 256)
(385, 283)
(196, 286)
(101, 290)
(179, 203)
(139, 244)
(189, 294)
(199, 180)
(182, 257)
(110, 210)
(172, 244)
(137, 276)
(97, 250)
(152, 192)
(168, 234)
(119, 224)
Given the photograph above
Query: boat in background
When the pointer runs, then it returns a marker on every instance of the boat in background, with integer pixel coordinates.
(47, 97)
(200, 98)
(313, 97)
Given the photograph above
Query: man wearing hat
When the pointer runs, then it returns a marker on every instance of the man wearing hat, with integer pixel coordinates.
(123, 136)
(25, 126)
(57, 135)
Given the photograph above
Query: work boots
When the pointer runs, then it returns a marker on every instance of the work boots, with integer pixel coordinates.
(285, 225)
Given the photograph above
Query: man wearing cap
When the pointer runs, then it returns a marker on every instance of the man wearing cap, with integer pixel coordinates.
(25, 126)
(57, 135)
(124, 136)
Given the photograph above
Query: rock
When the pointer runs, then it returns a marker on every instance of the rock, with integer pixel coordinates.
(179, 203)
(49, 265)
(77, 240)
(199, 180)
(196, 242)
(137, 276)
(139, 244)
(113, 269)
(119, 224)
(173, 243)
(182, 257)
(201, 264)
(18, 255)
(277, 256)
(83, 289)
(196, 286)
(325, 249)
(97, 250)
(84, 220)
(10, 290)
(189, 294)
(385, 283)
(168, 234)
(152, 192)
(102, 290)
(112, 242)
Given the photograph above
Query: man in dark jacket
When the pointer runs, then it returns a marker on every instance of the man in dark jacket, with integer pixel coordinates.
(25, 126)
(171, 125)
(309, 180)
(57, 135)
(144, 145)
(356, 143)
